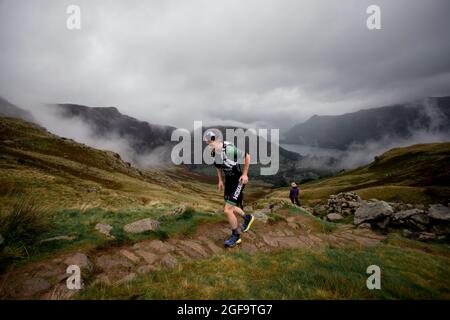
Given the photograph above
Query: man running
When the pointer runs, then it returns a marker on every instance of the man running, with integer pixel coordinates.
(227, 158)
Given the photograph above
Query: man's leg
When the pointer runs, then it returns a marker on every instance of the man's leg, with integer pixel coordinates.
(233, 196)
(235, 235)
(229, 212)
(297, 202)
(238, 211)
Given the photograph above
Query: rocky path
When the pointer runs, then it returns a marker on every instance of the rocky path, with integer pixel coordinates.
(118, 265)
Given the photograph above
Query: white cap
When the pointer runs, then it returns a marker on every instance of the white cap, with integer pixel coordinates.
(209, 136)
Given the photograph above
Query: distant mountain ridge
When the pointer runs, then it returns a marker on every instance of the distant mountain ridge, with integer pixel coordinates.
(144, 137)
(397, 121)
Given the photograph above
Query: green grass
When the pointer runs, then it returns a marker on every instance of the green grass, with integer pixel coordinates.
(81, 224)
(317, 223)
(331, 273)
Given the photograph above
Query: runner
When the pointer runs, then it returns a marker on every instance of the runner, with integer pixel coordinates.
(227, 158)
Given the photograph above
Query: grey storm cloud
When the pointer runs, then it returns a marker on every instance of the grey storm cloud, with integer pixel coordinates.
(254, 62)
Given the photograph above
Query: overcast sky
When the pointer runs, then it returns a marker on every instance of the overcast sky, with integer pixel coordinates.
(266, 63)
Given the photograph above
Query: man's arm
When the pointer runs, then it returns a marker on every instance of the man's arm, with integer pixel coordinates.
(244, 177)
(219, 175)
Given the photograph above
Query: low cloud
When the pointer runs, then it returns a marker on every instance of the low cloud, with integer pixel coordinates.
(270, 62)
(77, 129)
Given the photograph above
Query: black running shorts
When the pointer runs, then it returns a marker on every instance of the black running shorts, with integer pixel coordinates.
(233, 191)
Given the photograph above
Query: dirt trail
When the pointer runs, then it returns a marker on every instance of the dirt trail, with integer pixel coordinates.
(117, 265)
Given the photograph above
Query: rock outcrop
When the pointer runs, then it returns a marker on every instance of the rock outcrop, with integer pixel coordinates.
(378, 211)
(417, 221)
(344, 203)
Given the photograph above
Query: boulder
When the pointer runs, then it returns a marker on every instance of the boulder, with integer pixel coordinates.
(334, 217)
(365, 225)
(402, 215)
(141, 226)
(104, 229)
(439, 212)
(1, 240)
(372, 211)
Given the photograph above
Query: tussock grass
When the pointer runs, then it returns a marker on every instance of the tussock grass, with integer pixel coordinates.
(22, 227)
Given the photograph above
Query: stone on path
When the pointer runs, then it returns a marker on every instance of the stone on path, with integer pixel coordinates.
(261, 215)
(107, 262)
(141, 226)
(290, 242)
(194, 249)
(34, 285)
(270, 241)
(169, 260)
(130, 255)
(149, 257)
(334, 217)
(155, 245)
(213, 247)
(79, 259)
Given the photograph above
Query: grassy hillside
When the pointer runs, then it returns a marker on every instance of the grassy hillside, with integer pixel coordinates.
(52, 187)
(62, 173)
(414, 174)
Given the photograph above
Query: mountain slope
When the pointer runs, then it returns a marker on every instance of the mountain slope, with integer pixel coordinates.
(431, 115)
(414, 174)
(7, 109)
(62, 173)
(143, 136)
